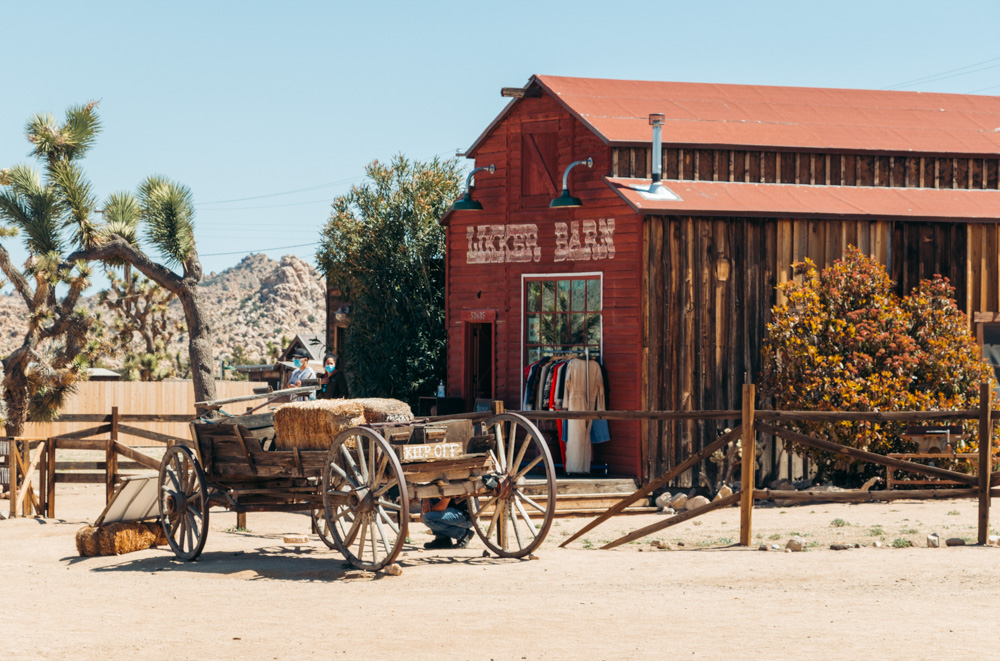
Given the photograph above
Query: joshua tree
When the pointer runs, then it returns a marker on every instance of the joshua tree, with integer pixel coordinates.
(139, 310)
(164, 209)
(49, 215)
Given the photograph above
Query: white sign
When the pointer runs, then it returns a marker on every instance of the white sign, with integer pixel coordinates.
(496, 244)
(595, 241)
(431, 452)
(576, 241)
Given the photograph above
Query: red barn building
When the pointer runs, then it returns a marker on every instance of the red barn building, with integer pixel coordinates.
(673, 291)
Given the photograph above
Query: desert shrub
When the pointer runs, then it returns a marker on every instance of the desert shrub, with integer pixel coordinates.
(846, 341)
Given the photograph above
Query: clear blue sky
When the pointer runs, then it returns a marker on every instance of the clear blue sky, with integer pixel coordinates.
(241, 100)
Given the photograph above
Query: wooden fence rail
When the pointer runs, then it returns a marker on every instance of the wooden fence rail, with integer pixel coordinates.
(30, 456)
(976, 486)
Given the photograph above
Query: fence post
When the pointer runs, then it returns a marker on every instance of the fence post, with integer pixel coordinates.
(748, 448)
(985, 459)
(43, 481)
(50, 449)
(111, 457)
(13, 456)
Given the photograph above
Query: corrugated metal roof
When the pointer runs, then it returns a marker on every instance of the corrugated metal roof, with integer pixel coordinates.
(757, 116)
(718, 198)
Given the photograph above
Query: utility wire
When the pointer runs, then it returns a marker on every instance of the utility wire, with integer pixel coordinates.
(951, 73)
(268, 206)
(287, 192)
(247, 252)
(983, 89)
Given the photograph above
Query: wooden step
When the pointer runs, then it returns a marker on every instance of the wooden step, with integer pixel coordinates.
(623, 486)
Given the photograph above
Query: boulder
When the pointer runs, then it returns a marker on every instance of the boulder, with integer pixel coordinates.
(663, 500)
(954, 541)
(724, 492)
(695, 503)
(840, 547)
(784, 484)
(796, 544)
(678, 501)
(933, 541)
(667, 511)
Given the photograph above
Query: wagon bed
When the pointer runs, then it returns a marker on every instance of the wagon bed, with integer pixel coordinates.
(360, 489)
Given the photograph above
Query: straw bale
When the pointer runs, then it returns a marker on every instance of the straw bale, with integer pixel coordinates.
(380, 409)
(313, 425)
(118, 538)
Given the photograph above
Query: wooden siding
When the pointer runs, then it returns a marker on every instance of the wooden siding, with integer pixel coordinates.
(821, 169)
(134, 397)
(497, 286)
(710, 285)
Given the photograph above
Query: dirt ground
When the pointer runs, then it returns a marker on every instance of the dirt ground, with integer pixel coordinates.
(250, 596)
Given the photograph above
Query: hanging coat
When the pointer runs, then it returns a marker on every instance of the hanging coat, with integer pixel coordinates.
(581, 396)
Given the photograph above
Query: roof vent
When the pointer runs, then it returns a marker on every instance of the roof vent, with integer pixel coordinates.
(656, 121)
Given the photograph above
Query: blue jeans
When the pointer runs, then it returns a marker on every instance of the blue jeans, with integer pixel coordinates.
(449, 522)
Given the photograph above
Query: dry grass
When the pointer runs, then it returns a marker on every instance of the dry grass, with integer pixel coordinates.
(312, 425)
(379, 409)
(118, 538)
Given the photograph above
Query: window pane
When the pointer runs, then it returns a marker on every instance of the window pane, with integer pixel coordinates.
(559, 337)
(562, 296)
(576, 334)
(594, 329)
(579, 295)
(532, 329)
(545, 330)
(534, 355)
(534, 291)
(593, 295)
(548, 296)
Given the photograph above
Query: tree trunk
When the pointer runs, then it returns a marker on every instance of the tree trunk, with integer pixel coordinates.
(15, 391)
(199, 343)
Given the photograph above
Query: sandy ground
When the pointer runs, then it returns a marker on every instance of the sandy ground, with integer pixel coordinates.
(250, 596)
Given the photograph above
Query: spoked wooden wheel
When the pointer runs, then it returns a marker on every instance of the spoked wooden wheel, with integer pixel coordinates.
(322, 529)
(364, 499)
(511, 522)
(183, 498)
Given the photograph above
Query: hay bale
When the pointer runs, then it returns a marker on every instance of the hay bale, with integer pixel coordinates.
(312, 425)
(379, 409)
(118, 538)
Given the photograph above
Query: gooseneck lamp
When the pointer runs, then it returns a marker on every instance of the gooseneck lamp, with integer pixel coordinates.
(467, 203)
(565, 199)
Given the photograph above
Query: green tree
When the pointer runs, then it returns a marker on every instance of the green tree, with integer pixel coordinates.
(845, 341)
(383, 247)
(51, 215)
(165, 210)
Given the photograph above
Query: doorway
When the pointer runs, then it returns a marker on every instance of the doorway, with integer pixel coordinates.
(478, 363)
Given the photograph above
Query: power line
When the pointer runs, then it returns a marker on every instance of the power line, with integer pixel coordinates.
(951, 73)
(247, 252)
(287, 192)
(269, 206)
(983, 89)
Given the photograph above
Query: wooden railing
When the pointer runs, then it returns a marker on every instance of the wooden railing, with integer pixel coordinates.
(32, 494)
(979, 486)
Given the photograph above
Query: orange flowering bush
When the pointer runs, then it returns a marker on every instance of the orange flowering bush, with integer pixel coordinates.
(845, 341)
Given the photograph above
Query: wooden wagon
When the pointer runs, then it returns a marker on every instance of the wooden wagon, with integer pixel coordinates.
(360, 490)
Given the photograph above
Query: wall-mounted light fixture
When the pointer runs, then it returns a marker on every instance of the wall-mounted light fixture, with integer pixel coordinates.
(565, 199)
(467, 203)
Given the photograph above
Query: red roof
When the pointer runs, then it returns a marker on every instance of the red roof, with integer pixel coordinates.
(713, 115)
(716, 198)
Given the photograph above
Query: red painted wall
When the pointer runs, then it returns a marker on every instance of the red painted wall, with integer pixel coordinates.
(498, 285)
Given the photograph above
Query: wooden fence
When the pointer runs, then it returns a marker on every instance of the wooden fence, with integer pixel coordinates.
(138, 398)
(35, 494)
(979, 486)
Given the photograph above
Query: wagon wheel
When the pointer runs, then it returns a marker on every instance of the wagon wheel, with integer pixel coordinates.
(365, 504)
(322, 529)
(503, 516)
(183, 502)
